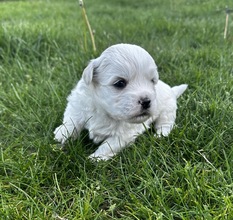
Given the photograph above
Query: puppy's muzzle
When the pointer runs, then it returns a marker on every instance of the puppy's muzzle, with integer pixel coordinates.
(145, 103)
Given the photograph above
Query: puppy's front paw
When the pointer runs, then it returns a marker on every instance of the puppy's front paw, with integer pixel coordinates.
(98, 157)
(164, 130)
(61, 134)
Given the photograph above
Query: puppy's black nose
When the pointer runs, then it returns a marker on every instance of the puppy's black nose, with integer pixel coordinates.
(145, 103)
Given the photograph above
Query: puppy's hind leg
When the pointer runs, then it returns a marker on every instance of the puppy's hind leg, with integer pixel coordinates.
(65, 131)
(71, 126)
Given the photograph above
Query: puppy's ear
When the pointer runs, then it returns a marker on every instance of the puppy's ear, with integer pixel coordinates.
(90, 71)
(179, 90)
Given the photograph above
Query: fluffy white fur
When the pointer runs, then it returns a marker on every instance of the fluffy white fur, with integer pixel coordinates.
(118, 96)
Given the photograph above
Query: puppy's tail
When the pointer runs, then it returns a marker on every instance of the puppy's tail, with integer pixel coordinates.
(179, 90)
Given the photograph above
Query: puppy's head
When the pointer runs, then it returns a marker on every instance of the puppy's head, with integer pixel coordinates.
(123, 81)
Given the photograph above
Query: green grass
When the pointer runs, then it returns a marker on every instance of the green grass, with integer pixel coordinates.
(44, 46)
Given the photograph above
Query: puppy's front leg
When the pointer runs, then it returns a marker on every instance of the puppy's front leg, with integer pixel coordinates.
(164, 123)
(109, 148)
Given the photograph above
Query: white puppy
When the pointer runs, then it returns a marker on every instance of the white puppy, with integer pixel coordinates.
(117, 98)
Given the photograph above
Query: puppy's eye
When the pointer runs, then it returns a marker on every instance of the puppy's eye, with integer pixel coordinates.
(120, 84)
(154, 81)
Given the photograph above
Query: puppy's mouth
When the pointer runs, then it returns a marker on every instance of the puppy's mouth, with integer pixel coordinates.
(142, 117)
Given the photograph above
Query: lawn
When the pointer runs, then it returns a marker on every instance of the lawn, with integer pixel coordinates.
(45, 45)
